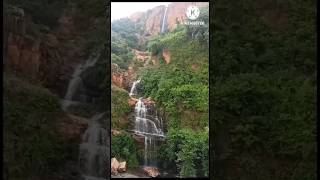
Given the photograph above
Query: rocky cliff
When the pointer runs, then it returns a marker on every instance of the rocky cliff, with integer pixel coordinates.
(39, 54)
(153, 18)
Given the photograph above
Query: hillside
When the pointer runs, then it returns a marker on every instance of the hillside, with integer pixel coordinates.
(162, 67)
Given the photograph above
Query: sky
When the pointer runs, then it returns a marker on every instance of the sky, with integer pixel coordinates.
(125, 9)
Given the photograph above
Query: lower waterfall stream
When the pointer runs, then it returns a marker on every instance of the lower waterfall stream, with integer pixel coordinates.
(148, 125)
(94, 149)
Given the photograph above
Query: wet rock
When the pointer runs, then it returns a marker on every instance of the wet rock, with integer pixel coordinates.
(72, 127)
(114, 166)
(151, 171)
(132, 102)
(149, 101)
(122, 167)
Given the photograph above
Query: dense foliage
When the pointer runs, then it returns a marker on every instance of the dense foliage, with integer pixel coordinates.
(187, 149)
(119, 106)
(263, 89)
(124, 148)
(181, 85)
(181, 89)
(32, 146)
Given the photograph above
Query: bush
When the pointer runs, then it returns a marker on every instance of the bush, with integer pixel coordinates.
(32, 146)
(124, 148)
(188, 150)
(119, 105)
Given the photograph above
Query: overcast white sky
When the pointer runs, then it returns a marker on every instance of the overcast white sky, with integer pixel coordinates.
(125, 9)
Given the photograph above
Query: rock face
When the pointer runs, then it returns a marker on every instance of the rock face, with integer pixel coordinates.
(166, 56)
(151, 171)
(119, 77)
(141, 56)
(152, 19)
(72, 127)
(48, 56)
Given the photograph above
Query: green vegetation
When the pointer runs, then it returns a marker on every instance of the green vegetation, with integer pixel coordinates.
(121, 52)
(124, 148)
(181, 88)
(188, 150)
(32, 146)
(263, 90)
(119, 106)
(182, 85)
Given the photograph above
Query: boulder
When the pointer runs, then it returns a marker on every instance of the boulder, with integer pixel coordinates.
(122, 167)
(132, 101)
(115, 132)
(114, 166)
(151, 171)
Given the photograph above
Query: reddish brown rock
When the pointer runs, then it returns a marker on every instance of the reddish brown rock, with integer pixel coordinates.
(166, 56)
(154, 21)
(132, 101)
(151, 171)
(141, 56)
(176, 13)
(72, 127)
(148, 101)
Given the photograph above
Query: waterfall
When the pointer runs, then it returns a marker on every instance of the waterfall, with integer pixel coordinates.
(76, 82)
(164, 20)
(148, 125)
(133, 90)
(93, 156)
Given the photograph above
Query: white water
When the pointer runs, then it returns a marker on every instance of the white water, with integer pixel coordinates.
(133, 90)
(149, 126)
(164, 20)
(94, 150)
(76, 82)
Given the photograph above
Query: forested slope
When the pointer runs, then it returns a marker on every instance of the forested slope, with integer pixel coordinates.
(263, 89)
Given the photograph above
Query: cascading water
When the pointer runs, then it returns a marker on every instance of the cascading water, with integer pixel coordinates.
(164, 20)
(76, 82)
(94, 150)
(149, 126)
(133, 90)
